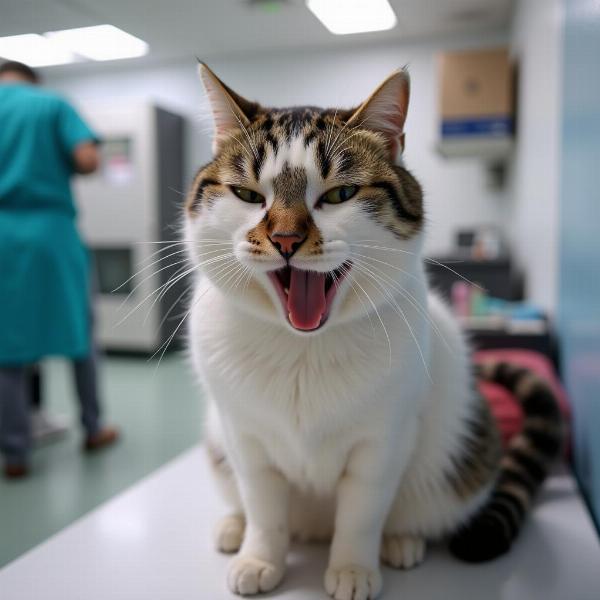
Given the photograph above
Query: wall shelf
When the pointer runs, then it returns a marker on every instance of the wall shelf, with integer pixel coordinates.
(488, 148)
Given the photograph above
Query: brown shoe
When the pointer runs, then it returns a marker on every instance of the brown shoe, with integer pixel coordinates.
(105, 437)
(16, 471)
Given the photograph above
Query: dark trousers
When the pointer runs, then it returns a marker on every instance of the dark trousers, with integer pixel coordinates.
(15, 398)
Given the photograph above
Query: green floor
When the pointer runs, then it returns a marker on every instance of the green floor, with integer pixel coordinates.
(159, 412)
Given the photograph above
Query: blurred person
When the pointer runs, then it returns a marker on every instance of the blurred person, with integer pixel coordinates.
(44, 268)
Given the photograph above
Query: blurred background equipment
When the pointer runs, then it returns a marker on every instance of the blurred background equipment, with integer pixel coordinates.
(129, 211)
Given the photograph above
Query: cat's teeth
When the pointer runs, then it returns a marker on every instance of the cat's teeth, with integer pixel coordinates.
(286, 290)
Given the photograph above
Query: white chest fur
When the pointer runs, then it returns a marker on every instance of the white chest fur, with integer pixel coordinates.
(308, 400)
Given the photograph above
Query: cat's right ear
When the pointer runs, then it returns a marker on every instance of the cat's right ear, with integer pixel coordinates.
(384, 111)
(229, 110)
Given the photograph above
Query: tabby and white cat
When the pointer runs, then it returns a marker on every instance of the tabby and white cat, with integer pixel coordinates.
(341, 397)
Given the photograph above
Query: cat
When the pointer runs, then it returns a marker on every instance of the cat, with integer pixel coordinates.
(341, 395)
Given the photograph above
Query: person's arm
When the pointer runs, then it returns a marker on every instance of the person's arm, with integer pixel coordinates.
(86, 158)
(77, 140)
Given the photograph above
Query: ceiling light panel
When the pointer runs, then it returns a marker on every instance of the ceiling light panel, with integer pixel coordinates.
(34, 50)
(353, 16)
(100, 42)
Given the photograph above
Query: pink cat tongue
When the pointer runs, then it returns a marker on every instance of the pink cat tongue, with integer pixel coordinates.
(306, 299)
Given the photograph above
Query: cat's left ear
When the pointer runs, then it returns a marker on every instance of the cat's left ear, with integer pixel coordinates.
(385, 110)
(229, 110)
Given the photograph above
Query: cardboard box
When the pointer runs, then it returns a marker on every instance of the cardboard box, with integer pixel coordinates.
(476, 94)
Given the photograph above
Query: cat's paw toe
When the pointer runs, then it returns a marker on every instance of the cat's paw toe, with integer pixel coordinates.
(402, 551)
(248, 575)
(352, 583)
(229, 533)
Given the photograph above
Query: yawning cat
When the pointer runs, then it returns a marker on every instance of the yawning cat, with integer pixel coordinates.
(341, 398)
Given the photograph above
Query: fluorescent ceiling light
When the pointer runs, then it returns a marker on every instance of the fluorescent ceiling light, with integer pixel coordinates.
(34, 50)
(101, 42)
(353, 16)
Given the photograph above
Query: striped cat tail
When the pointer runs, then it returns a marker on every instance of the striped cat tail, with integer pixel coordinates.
(523, 468)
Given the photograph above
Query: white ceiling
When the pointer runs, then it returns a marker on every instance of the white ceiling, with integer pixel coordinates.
(205, 28)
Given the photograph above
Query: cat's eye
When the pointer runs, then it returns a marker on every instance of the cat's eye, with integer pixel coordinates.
(339, 194)
(247, 195)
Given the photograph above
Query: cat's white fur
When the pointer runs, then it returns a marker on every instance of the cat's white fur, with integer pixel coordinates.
(362, 415)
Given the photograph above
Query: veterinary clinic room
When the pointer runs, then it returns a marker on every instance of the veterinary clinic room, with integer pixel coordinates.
(299, 299)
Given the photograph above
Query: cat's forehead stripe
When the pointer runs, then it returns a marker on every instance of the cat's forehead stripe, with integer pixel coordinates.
(285, 135)
(323, 158)
(290, 153)
(289, 186)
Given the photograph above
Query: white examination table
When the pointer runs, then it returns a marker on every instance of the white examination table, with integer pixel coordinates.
(153, 542)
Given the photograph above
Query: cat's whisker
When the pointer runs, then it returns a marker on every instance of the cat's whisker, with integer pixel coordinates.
(158, 242)
(182, 194)
(147, 277)
(218, 269)
(167, 343)
(383, 276)
(248, 280)
(174, 279)
(411, 300)
(145, 299)
(239, 282)
(184, 249)
(201, 243)
(244, 129)
(426, 259)
(330, 132)
(230, 275)
(338, 154)
(233, 135)
(333, 146)
(337, 283)
(400, 250)
(355, 131)
(396, 307)
(328, 147)
(339, 149)
(380, 320)
(175, 303)
(383, 262)
(163, 249)
(158, 260)
(241, 272)
(233, 280)
(178, 262)
(149, 266)
(439, 264)
(235, 138)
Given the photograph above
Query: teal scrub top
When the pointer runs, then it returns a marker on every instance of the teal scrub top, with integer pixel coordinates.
(44, 267)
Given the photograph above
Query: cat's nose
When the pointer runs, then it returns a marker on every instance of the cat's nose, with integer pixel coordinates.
(287, 242)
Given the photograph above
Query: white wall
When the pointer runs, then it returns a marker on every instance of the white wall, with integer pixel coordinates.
(456, 192)
(532, 220)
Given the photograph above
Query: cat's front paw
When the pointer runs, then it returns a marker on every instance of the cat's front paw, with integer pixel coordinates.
(402, 551)
(248, 575)
(353, 583)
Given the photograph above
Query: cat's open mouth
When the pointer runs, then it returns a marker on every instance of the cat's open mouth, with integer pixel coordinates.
(307, 296)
